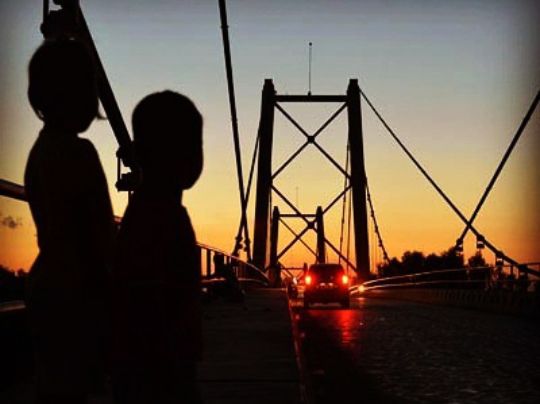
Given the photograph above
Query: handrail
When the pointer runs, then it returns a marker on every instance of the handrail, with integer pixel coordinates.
(15, 191)
(469, 277)
(243, 265)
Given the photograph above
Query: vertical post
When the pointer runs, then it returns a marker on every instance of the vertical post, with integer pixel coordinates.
(208, 263)
(321, 244)
(264, 176)
(358, 180)
(200, 260)
(274, 234)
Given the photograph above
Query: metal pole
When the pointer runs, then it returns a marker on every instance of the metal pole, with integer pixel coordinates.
(321, 244)
(310, 50)
(108, 99)
(236, 136)
(274, 236)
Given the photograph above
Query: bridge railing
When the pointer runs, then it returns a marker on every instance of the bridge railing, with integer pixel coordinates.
(244, 271)
(485, 278)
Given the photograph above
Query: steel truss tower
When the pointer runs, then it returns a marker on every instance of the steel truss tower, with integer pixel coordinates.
(262, 256)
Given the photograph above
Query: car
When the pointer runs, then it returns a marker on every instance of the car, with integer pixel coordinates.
(326, 283)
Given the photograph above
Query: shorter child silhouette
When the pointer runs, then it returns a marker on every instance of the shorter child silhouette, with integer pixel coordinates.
(157, 317)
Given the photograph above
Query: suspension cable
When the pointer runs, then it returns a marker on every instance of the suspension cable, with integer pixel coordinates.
(375, 224)
(247, 242)
(349, 215)
(441, 193)
(236, 136)
(345, 179)
(500, 167)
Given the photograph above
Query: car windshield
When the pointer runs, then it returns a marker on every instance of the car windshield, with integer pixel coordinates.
(326, 272)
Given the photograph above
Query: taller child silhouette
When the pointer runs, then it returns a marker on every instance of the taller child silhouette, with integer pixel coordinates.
(157, 318)
(69, 200)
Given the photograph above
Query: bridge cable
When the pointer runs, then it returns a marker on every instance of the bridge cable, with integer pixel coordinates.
(236, 136)
(375, 224)
(248, 189)
(488, 244)
(500, 167)
(343, 209)
(349, 215)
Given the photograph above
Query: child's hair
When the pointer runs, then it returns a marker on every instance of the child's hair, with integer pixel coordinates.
(167, 133)
(62, 85)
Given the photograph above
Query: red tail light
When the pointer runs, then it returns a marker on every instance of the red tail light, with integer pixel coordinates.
(308, 280)
(345, 279)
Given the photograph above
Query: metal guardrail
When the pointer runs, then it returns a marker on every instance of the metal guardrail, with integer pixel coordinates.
(244, 271)
(486, 278)
(11, 306)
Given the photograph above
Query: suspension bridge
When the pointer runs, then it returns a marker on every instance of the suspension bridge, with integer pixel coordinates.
(406, 338)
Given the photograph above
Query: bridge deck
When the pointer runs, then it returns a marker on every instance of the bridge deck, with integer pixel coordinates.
(379, 350)
(249, 354)
(249, 351)
(403, 352)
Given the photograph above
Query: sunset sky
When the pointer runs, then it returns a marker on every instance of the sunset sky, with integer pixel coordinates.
(454, 79)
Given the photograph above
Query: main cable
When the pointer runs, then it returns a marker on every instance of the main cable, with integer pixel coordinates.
(376, 225)
(500, 167)
(441, 192)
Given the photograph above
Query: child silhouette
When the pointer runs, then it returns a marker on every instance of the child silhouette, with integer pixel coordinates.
(157, 318)
(69, 200)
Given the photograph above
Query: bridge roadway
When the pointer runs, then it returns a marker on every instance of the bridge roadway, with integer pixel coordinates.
(395, 351)
(378, 351)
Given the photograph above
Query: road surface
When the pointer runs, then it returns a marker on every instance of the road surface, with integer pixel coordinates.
(394, 351)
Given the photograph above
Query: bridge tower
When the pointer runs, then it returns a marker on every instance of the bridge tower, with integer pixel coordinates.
(265, 253)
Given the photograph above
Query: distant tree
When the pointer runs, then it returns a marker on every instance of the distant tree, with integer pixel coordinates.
(5, 274)
(413, 261)
(477, 260)
(451, 259)
(11, 285)
(433, 262)
(391, 268)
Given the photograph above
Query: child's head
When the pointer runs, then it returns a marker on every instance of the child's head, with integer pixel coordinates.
(62, 85)
(167, 132)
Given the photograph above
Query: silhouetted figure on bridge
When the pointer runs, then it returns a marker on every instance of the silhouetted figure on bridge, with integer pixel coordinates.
(229, 288)
(69, 200)
(157, 276)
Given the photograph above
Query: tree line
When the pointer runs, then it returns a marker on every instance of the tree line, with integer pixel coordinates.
(11, 284)
(416, 261)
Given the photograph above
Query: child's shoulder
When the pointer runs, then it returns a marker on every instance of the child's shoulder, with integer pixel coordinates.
(83, 146)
